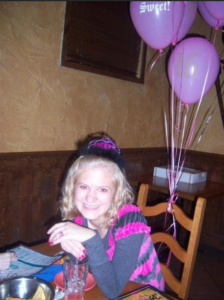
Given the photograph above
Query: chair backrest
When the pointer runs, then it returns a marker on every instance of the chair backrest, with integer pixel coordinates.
(187, 257)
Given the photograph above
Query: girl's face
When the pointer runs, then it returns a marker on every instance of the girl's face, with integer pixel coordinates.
(94, 192)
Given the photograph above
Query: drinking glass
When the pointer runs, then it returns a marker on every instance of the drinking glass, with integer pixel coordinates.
(75, 273)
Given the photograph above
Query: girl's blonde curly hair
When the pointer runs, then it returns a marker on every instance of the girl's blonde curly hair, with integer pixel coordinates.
(123, 195)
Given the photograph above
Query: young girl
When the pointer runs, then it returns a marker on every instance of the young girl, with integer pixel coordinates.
(105, 224)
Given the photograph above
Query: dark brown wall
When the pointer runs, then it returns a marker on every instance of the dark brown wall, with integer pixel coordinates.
(30, 188)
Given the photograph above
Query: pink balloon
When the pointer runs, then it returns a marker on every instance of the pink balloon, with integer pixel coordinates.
(190, 12)
(215, 8)
(207, 17)
(157, 22)
(191, 61)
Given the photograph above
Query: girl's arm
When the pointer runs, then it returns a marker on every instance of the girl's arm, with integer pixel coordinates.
(112, 276)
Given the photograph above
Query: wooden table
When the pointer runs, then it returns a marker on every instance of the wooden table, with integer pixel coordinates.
(187, 191)
(93, 294)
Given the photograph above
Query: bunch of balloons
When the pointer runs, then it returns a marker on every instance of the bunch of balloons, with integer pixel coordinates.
(193, 67)
(194, 63)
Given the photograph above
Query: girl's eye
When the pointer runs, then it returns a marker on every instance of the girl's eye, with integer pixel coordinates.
(103, 190)
(83, 187)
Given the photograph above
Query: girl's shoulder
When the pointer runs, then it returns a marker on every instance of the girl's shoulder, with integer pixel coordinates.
(130, 221)
(128, 208)
(129, 213)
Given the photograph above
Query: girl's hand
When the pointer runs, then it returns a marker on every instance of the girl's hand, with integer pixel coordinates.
(69, 231)
(75, 248)
(6, 259)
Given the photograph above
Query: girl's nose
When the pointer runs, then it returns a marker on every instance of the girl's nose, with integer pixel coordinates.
(91, 196)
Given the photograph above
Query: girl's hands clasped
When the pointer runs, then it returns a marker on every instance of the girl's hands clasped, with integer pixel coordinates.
(71, 236)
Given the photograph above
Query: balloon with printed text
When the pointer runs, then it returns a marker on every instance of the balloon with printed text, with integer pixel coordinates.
(190, 12)
(207, 17)
(216, 9)
(157, 22)
(193, 67)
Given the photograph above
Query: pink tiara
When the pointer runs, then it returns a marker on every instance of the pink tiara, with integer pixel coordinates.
(104, 143)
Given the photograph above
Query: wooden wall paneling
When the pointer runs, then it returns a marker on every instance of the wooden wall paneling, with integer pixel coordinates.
(209, 162)
(30, 185)
(27, 187)
(38, 202)
(6, 208)
(141, 162)
(214, 223)
(24, 197)
(14, 206)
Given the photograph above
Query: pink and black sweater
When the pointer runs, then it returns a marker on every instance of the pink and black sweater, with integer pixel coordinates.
(125, 254)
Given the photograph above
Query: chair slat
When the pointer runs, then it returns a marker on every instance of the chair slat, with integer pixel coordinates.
(160, 208)
(171, 280)
(172, 243)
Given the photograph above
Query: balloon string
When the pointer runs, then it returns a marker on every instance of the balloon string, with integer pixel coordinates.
(178, 125)
(207, 122)
(179, 168)
(192, 129)
(174, 175)
(171, 171)
(179, 117)
(176, 121)
(218, 24)
(209, 117)
(172, 200)
(174, 235)
(166, 130)
(193, 122)
(160, 53)
(164, 105)
(174, 145)
(190, 137)
(222, 52)
(175, 41)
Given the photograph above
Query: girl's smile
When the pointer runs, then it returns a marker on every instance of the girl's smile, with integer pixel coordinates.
(94, 192)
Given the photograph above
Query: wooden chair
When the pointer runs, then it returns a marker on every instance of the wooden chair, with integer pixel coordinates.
(187, 257)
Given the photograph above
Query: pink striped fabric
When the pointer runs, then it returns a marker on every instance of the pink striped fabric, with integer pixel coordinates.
(148, 270)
